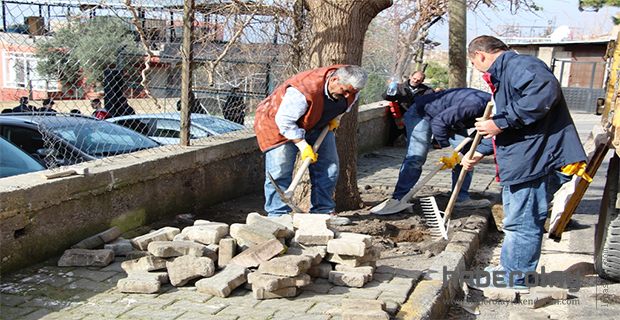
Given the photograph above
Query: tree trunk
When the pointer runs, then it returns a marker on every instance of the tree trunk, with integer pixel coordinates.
(457, 53)
(338, 30)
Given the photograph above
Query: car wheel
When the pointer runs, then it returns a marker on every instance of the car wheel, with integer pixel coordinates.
(607, 238)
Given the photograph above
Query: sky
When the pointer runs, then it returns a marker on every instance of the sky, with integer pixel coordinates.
(563, 12)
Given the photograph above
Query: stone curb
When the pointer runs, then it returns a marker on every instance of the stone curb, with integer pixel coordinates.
(431, 297)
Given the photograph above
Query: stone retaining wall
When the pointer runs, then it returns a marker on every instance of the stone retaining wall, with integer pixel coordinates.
(40, 218)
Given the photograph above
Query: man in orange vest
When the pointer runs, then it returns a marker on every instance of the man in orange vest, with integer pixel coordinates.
(291, 119)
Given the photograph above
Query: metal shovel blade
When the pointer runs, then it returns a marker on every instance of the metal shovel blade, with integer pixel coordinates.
(283, 196)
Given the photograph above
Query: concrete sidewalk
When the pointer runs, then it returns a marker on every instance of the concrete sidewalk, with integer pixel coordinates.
(597, 298)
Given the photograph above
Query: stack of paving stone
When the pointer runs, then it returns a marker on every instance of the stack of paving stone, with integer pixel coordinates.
(276, 256)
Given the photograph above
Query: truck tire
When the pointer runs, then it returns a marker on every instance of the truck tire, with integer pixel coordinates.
(607, 237)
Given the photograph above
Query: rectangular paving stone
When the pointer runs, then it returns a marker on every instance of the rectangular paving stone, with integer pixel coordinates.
(299, 307)
(150, 312)
(94, 275)
(11, 300)
(245, 313)
(144, 264)
(223, 282)
(254, 256)
(206, 234)
(86, 284)
(99, 239)
(136, 283)
(322, 308)
(288, 315)
(196, 315)
(104, 310)
(287, 266)
(364, 293)
(255, 234)
(121, 247)
(86, 258)
(228, 249)
(202, 308)
(167, 249)
(289, 292)
(346, 247)
(163, 234)
(15, 312)
(64, 315)
(37, 314)
(274, 227)
(313, 236)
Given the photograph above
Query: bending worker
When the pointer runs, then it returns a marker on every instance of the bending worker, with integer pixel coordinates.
(446, 115)
(291, 119)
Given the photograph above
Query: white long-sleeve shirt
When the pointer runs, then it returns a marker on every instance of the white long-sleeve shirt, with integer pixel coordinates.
(293, 107)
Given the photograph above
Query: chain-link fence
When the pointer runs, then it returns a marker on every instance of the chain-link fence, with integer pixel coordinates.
(77, 73)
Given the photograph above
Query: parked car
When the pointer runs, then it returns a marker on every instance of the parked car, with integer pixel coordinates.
(165, 128)
(14, 161)
(64, 139)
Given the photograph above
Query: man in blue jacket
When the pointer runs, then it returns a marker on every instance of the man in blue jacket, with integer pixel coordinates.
(446, 115)
(534, 137)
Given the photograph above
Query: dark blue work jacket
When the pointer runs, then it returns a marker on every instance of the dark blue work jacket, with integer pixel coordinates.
(450, 111)
(538, 135)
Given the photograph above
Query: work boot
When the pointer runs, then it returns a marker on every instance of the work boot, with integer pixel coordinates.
(473, 204)
(390, 206)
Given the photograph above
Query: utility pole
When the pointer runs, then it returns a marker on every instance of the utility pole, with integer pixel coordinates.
(457, 50)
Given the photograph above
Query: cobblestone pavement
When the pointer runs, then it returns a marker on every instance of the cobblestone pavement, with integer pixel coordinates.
(46, 291)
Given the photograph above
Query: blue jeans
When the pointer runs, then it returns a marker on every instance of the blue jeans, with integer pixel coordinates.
(280, 162)
(419, 132)
(525, 212)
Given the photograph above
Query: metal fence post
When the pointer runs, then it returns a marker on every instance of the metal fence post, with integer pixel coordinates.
(186, 69)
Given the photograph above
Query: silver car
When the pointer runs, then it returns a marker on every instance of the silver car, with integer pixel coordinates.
(165, 128)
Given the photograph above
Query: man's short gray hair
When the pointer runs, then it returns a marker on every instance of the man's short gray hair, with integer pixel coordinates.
(353, 75)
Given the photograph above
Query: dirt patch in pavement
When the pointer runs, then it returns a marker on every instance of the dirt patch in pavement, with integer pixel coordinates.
(404, 233)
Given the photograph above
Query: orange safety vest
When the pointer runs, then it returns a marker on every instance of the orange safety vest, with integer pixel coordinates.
(311, 84)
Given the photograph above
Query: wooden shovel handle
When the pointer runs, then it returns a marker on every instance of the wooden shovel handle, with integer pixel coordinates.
(304, 165)
(469, 155)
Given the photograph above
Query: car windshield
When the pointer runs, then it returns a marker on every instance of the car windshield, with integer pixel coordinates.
(14, 161)
(101, 139)
(217, 125)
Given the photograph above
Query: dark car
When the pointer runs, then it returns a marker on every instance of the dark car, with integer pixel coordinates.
(14, 161)
(63, 139)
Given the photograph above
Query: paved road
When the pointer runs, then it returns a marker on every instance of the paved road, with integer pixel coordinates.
(575, 249)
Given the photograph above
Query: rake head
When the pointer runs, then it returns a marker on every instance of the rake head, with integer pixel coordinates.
(434, 218)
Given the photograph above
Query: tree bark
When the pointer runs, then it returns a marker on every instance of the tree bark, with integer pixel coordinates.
(338, 30)
(457, 53)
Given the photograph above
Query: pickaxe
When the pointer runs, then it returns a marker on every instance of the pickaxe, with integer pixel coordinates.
(287, 195)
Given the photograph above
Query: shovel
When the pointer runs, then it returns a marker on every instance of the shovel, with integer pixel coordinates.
(287, 195)
(418, 186)
(438, 221)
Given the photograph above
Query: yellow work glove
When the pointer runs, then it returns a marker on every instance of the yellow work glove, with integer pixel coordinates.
(334, 124)
(306, 151)
(450, 162)
(577, 168)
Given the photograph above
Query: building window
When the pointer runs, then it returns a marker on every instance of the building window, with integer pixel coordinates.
(22, 69)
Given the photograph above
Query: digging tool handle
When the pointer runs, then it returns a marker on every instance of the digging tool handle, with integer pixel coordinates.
(304, 165)
(469, 155)
(431, 174)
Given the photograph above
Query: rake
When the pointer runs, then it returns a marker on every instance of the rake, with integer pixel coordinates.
(438, 221)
